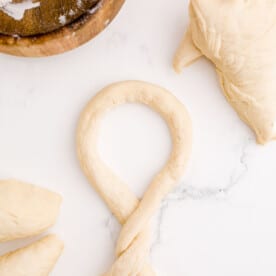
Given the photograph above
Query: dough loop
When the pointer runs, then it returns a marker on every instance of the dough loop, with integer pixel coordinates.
(134, 241)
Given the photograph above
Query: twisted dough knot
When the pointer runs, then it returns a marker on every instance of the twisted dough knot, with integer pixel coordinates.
(134, 242)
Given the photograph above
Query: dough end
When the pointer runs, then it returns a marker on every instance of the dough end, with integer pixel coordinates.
(26, 210)
(187, 53)
(37, 259)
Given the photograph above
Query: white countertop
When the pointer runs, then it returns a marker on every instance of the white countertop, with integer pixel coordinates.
(221, 219)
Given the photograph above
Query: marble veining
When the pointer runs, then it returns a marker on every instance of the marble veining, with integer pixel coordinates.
(220, 219)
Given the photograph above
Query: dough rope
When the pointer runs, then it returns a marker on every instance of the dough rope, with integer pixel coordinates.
(134, 241)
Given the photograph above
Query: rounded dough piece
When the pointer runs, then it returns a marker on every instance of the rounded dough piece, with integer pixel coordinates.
(37, 259)
(134, 242)
(26, 210)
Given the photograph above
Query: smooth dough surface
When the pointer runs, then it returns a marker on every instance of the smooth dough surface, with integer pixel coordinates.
(239, 37)
(37, 259)
(26, 210)
(134, 242)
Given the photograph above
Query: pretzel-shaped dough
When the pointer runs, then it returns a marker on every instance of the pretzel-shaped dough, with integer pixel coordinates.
(134, 242)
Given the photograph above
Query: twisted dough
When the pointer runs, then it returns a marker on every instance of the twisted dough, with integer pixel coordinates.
(134, 241)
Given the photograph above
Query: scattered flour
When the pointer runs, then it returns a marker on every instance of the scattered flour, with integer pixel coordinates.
(16, 36)
(107, 21)
(17, 10)
(71, 12)
(62, 19)
(79, 3)
(93, 10)
(4, 3)
(96, 8)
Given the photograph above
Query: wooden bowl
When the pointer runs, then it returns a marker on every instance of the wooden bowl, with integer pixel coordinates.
(64, 38)
(40, 16)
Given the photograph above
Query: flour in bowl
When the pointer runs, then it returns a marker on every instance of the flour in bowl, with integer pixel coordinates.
(17, 10)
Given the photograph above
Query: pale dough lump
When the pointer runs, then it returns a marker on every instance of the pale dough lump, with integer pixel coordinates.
(239, 37)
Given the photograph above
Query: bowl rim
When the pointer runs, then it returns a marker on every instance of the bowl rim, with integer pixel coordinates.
(67, 37)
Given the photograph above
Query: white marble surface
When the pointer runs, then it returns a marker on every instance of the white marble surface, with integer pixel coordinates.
(220, 221)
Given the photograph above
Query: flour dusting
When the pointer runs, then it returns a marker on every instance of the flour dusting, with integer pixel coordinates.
(17, 10)
(71, 12)
(79, 3)
(96, 8)
(107, 21)
(62, 19)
